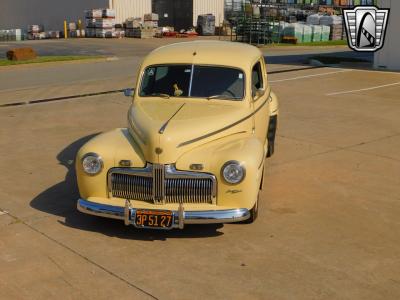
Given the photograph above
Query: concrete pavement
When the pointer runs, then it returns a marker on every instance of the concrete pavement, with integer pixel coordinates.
(328, 225)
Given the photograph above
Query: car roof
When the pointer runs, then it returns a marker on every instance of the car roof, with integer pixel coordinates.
(230, 54)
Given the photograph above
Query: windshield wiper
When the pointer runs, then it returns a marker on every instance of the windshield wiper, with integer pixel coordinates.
(166, 96)
(221, 97)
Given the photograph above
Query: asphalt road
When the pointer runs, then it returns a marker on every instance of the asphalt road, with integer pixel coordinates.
(328, 225)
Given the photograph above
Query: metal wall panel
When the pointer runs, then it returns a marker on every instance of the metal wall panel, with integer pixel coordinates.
(130, 8)
(215, 7)
(50, 13)
(389, 56)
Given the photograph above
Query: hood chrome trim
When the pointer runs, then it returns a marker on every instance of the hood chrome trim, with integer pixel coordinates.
(224, 128)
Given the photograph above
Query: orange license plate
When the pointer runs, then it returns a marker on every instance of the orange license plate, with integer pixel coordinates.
(157, 219)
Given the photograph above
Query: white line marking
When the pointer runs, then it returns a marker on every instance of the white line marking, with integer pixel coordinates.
(362, 90)
(3, 212)
(313, 75)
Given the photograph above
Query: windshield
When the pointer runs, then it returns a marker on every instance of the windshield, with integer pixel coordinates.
(212, 82)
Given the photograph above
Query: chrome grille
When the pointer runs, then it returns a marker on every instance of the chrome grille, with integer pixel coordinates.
(132, 187)
(189, 190)
(162, 184)
(158, 184)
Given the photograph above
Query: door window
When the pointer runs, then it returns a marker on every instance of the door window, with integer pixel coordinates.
(257, 78)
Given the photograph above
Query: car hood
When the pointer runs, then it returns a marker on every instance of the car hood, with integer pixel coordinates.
(166, 128)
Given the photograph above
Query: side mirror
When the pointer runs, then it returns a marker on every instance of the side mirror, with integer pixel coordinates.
(129, 92)
(258, 94)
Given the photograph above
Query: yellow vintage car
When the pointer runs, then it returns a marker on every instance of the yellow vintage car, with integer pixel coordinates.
(202, 121)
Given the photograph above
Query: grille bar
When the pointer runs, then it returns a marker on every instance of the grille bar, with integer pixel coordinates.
(162, 184)
(158, 184)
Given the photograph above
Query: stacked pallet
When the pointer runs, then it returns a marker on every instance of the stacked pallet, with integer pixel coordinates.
(294, 30)
(132, 25)
(326, 32)
(74, 31)
(36, 32)
(336, 25)
(135, 28)
(11, 35)
(316, 33)
(150, 21)
(100, 23)
(307, 33)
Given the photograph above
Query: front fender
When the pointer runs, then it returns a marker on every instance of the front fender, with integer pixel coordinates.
(112, 147)
(244, 148)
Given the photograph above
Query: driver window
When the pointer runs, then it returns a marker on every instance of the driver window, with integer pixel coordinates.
(257, 78)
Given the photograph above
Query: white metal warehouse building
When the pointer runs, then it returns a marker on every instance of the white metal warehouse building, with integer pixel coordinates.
(52, 13)
(389, 56)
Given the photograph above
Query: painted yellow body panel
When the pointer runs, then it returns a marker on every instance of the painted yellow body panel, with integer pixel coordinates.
(205, 132)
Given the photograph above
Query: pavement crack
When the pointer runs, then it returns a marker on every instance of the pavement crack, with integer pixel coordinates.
(373, 141)
(374, 154)
(61, 244)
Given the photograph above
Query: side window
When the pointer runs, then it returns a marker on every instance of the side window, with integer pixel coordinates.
(257, 78)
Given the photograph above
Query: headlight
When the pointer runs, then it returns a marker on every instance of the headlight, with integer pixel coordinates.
(92, 164)
(233, 172)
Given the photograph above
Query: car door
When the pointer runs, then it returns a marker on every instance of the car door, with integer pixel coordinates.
(260, 94)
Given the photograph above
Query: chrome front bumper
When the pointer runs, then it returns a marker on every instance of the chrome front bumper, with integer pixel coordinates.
(181, 216)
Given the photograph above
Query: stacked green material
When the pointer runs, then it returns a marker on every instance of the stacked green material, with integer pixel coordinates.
(316, 33)
(326, 31)
(294, 30)
(307, 33)
(359, 2)
(277, 31)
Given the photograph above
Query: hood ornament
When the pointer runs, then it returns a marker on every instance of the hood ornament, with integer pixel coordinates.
(162, 129)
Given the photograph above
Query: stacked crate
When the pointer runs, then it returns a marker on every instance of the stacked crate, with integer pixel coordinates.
(131, 25)
(150, 21)
(307, 33)
(100, 23)
(35, 32)
(11, 35)
(326, 32)
(119, 31)
(144, 30)
(336, 26)
(316, 33)
(294, 30)
(74, 31)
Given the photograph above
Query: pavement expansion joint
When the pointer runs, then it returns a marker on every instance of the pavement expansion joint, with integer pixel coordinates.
(87, 259)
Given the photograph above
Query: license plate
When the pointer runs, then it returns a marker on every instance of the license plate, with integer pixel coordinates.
(158, 219)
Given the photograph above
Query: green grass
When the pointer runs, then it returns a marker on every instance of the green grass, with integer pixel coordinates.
(327, 43)
(45, 59)
(334, 60)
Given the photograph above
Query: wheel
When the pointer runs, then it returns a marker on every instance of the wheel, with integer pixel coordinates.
(253, 212)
